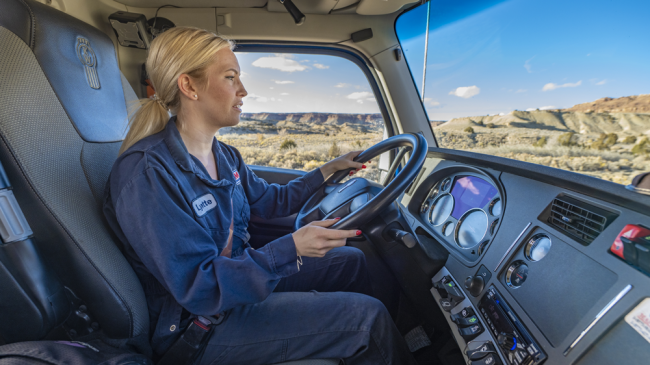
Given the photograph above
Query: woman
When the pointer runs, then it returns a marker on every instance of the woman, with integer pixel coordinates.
(180, 202)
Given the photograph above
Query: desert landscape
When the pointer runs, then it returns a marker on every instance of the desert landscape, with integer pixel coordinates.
(607, 138)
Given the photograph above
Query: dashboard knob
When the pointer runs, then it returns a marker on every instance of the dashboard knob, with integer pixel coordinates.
(475, 285)
(507, 341)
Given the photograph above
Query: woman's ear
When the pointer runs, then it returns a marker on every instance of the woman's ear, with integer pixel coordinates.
(187, 86)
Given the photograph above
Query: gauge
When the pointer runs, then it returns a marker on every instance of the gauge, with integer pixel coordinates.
(425, 207)
(448, 228)
(471, 229)
(496, 207)
(537, 247)
(441, 209)
(493, 227)
(516, 274)
(445, 184)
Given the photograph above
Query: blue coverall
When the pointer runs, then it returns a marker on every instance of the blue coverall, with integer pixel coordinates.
(174, 219)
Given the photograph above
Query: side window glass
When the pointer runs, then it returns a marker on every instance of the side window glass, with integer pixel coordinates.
(303, 110)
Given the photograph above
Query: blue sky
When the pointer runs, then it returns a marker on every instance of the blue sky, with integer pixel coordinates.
(491, 57)
(283, 83)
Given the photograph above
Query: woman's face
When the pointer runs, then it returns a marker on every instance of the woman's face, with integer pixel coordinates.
(220, 100)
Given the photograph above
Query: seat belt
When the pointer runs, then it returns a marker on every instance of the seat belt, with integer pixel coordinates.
(185, 348)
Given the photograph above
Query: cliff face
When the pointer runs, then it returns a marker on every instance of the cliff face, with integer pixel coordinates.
(629, 114)
(314, 118)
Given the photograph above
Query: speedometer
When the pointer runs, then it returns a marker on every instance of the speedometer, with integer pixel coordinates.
(471, 228)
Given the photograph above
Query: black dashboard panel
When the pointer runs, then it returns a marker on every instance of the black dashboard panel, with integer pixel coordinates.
(570, 297)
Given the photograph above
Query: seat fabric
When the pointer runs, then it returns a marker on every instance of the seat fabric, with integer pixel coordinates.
(61, 127)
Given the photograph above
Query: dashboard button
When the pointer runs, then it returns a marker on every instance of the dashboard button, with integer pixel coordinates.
(491, 359)
(477, 350)
(464, 313)
(466, 322)
(469, 333)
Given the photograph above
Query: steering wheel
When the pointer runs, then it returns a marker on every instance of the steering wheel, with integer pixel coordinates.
(359, 201)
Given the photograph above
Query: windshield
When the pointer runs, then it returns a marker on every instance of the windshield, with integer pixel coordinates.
(557, 83)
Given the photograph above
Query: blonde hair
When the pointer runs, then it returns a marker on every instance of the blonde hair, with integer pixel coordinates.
(180, 50)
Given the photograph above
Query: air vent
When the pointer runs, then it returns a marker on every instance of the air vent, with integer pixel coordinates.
(577, 219)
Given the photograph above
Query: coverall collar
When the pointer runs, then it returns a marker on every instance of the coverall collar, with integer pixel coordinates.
(186, 162)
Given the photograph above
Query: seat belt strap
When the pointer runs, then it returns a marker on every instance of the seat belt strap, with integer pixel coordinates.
(183, 350)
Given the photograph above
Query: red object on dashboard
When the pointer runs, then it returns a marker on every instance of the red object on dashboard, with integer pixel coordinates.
(632, 232)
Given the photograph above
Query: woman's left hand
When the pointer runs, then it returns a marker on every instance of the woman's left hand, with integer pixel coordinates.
(342, 163)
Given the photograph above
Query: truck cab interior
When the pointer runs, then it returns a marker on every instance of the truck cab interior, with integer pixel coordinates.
(481, 257)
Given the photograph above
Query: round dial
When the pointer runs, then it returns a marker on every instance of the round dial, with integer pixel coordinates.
(538, 247)
(441, 209)
(448, 228)
(496, 207)
(516, 274)
(445, 184)
(471, 228)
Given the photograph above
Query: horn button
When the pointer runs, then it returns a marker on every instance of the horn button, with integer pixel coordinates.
(343, 193)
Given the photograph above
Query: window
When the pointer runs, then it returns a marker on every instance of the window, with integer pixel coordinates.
(302, 110)
(544, 81)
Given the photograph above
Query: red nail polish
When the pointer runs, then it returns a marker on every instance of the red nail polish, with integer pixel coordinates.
(337, 218)
(358, 233)
(351, 173)
(363, 166)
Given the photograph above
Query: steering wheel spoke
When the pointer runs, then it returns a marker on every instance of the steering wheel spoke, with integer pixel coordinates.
(359, 200)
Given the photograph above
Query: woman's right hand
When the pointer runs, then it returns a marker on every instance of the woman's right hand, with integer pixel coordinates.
(315, 239)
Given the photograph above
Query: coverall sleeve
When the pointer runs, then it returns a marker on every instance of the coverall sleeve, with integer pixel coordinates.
(274, 200)
(159, 225)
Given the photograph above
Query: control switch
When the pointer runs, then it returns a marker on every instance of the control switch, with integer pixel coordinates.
(464, 313)
(477, 350)
(491, 359)
(469, 333)
(450, 293)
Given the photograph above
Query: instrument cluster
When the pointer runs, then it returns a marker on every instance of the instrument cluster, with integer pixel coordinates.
(465, 209)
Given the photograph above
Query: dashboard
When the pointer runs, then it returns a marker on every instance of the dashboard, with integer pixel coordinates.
(533, 275)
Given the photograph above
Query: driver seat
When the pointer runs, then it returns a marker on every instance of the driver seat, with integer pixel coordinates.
(63, 115)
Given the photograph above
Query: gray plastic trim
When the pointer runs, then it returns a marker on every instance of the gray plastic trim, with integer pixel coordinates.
(13, 225)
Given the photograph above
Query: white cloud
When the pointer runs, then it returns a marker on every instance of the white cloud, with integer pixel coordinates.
(341, 84)
(284, 94)
(321, 66)
(283, 82)
(466, 92)
(520, 91)
(372, 99)
(601, 82)
(360, 101)
(431, 102)
(254, 97)
(548, 107)
(528, 66)
(280, 62)
(360, 95)
(552, 86)
(243, 74)
(271, 88)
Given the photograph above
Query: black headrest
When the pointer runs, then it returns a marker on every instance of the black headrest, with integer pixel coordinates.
(80, 64)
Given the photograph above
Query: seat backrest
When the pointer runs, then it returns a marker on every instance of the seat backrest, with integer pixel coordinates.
(63, 115)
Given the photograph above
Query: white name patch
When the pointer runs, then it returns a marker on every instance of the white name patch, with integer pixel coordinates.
(204, 204)
(639, 319)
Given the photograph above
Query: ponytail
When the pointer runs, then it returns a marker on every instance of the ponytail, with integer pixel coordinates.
(180, 50)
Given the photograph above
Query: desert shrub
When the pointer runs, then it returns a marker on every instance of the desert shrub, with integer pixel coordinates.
(566, 139)
(629, 140)
(359, 144)
(643, 147)
(541, 142)
(480, 122)
(288, 144)
(313, 164)
(468, 130)
(604, 141)
(260, 138)
(334, 150)
(489, 125)
(283, 132)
